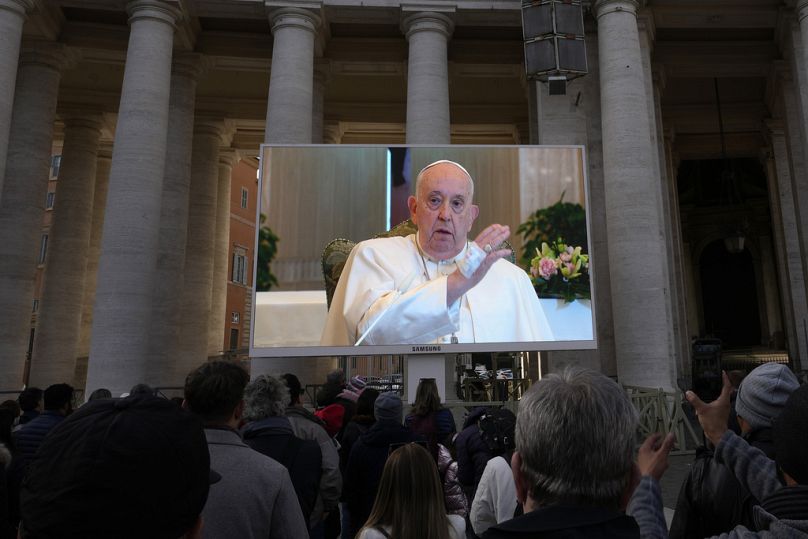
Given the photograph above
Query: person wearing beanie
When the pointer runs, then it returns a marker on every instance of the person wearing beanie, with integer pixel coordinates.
(783, 507)
(368, 456)
(711, 500)
(762, 395)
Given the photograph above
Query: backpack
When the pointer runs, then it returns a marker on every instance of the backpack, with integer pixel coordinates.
(497, 429)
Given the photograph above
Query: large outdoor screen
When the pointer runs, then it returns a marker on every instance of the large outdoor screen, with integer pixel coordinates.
(340, 271)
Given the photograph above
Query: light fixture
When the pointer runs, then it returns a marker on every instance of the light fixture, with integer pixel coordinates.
(555, 50)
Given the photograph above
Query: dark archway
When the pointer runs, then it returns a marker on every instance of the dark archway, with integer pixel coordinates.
(729, 296)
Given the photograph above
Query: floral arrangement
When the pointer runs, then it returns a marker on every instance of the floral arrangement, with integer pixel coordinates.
(560, 271)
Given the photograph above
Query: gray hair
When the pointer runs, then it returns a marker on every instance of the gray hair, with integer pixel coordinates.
(575, 434)
(443, 162)
(266, 396)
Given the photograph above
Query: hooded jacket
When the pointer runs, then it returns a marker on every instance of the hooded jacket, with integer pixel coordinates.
(307, 426)
(273, 437)
(365, 466)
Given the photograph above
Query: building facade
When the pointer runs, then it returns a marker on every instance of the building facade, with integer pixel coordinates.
(693, 116)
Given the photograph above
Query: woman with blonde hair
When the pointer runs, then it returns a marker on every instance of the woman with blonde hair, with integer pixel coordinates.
(409, 503)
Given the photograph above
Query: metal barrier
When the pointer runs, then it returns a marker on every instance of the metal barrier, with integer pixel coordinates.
(661, 411)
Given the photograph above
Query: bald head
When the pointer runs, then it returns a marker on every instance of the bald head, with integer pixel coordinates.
(442, 167)
(442, 208)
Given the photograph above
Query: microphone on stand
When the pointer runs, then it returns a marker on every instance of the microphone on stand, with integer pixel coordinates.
(403, 287)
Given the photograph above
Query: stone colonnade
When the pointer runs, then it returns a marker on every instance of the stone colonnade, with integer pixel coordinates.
(145, 253)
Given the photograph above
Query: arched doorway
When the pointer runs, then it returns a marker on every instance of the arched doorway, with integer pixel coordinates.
(729, 296)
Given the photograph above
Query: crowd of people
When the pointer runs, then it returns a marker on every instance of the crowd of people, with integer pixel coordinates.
(245, 458)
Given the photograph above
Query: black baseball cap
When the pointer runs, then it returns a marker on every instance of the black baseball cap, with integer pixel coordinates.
(132, 467)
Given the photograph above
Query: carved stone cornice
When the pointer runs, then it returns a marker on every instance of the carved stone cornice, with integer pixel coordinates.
(604, 7)
(426, 21)
(159, 10)
(294, 17)
(18, 7)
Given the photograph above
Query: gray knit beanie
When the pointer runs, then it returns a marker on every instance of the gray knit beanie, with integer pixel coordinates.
(388, 406)
(763, 393)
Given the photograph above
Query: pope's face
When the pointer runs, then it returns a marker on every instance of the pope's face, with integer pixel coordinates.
(443, 210)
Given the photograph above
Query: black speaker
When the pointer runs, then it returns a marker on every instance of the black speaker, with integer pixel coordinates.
(553, 32)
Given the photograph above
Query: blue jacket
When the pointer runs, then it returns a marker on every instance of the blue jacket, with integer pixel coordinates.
(30, 436)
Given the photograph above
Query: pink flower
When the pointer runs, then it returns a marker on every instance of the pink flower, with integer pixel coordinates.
(547, 267)
(534, 271)
(565, 257)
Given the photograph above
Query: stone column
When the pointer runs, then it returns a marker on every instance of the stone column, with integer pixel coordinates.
(289, 107)
(94, 252)
(58, 326)
(228, 158)
(428, 121)
(12, 17)
(23, 199)
(802, 16)
(321, 77)
(167, 299)
(129, 245)
(783, 196)
(640, 294)
(771, 295)
(199, 250)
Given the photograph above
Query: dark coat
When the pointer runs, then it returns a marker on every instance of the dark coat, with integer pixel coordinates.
(559, 522)
(274, 438)
(472, 453)
(365, 466)
(711, 500)
(353, 430)
(29, 437)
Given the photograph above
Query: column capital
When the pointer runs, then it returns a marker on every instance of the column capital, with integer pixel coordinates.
(229, 157)
(427, 21)
(88, 119)
(294, 17)
(18, 7)
(158, 10)
(209, 125)
(604, 7)
(802, 9)
(190, 64)
(51, 54)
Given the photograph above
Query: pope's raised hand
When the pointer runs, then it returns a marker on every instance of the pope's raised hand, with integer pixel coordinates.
(488, 240)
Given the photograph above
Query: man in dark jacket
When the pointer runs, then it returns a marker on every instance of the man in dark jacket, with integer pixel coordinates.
(573, 465)
(712, 500)
(472, 453)
(269, 432)
(58, 405)
(368, 456)
(31, 405)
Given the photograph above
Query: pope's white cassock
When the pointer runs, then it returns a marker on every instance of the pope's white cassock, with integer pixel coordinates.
(502, 307)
